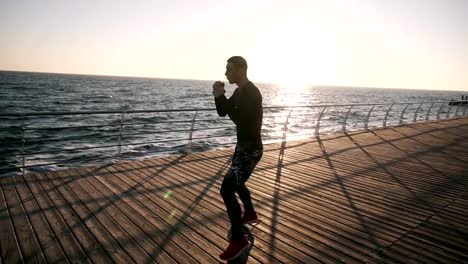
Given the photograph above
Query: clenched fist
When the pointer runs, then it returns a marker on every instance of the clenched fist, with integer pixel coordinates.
(218, 89)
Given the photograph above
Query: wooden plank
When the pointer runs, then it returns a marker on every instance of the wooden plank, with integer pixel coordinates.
(9, 247)
(320, 179)
(71, 194)
(320, 194)
(383, 151)
(104, 209)
(72, 228)
(360, 180)
(34, 204)
(358, 170)
(149, 234)
(30, 248)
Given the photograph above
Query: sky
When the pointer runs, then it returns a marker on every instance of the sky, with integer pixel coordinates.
(419, 44)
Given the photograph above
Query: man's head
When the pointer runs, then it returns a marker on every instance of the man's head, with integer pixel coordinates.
(236, 70)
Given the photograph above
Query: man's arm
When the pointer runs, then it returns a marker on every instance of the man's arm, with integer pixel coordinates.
(223, 105)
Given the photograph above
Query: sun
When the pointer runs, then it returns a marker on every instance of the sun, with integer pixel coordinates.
(289, 72)
(287, 54)
(288, 67)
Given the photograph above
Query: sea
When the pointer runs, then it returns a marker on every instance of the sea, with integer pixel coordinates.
(60, 139)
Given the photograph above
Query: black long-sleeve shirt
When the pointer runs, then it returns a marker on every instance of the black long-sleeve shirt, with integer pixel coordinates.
(244, 108)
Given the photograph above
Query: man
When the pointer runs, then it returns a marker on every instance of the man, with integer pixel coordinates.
(244, 108)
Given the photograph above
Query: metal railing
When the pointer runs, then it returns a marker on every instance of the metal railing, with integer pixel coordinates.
(46, 140)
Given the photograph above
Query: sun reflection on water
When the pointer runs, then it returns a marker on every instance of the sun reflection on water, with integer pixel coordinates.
(292, 93)
(289, 94)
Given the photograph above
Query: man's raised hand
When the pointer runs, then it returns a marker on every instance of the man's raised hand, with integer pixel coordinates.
(218, 89)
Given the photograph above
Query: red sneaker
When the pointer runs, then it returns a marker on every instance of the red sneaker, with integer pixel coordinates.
(249, 218)
(235, 248)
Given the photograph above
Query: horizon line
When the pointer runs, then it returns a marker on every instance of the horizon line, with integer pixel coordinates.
(260, 82)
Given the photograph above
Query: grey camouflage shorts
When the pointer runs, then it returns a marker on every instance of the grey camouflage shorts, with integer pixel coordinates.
(243, 163)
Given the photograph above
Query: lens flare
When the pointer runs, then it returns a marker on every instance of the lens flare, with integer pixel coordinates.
(167, 194)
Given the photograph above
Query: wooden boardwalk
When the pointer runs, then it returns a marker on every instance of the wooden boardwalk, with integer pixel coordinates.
(384, 196)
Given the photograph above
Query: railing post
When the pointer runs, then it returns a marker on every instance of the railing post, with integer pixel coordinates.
(22, 147)
(458, 108)
(440, 110)
(402, 114)
(346, 118)
(416, 113)
(429, 111)
(386, 116)
(366, 122)
(317, 127)
(448, 112)
(191, 132)
(120, 132)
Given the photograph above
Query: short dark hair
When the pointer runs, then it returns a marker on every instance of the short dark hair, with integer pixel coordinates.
(238, 61)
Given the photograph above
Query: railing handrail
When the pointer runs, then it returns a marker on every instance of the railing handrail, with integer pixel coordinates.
(207, 109)
(380, 115)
